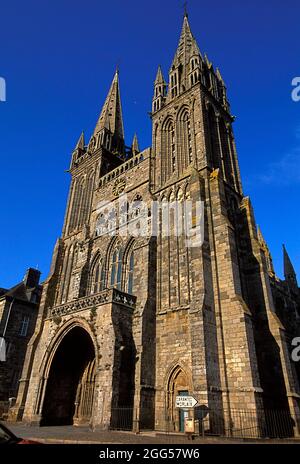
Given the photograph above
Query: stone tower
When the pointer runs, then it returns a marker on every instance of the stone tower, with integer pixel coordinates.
(199, 290)
(140, 319)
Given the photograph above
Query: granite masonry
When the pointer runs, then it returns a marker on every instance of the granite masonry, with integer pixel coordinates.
(127, 323)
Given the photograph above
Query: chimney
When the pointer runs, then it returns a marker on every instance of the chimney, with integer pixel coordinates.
(32, 278)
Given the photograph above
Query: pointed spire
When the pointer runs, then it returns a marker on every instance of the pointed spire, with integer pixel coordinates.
(159, 77)
(135, 145)
(289, 271)
(111, 114)
(160, 87)
(187, 50)
(186, 33)
(186, 40)
(80, 143)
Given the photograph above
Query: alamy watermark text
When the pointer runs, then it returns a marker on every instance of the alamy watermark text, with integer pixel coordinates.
(2, 89)
(296, 89)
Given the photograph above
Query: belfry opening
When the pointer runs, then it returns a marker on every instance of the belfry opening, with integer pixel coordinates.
(70, 387)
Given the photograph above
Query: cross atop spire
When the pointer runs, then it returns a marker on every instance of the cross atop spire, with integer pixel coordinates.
(111, 114)
(185, 8)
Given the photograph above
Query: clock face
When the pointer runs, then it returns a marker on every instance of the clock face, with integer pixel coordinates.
(119, 187)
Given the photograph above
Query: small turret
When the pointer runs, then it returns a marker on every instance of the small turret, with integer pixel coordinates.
(80, 143)
(160, 88)
(135, 145)
(78, 150)
(289, 271)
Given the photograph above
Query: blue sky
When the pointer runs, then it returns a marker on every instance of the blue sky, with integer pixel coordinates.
(58, 59)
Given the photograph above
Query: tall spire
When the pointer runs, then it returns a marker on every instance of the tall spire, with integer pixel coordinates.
(186, 33)
(186, 66)
(111, 114)
(187, 44)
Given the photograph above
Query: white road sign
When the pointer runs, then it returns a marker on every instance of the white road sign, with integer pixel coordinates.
(185, 402)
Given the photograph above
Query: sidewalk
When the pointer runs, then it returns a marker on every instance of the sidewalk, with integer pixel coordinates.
(83, 435)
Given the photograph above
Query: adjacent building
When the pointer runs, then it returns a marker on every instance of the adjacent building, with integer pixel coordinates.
(18, 313)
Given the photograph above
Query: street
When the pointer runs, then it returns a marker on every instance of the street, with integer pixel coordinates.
(83, 435)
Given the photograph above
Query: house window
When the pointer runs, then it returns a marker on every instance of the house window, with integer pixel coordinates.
(24, 326)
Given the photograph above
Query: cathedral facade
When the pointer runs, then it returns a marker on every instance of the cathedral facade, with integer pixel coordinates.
(130, 321)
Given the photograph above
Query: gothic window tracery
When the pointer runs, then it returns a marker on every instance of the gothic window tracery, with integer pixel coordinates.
(168, 150)
(213, 139)
(97, 283)
(116, 269)
(130, 273)
(184, 137)
(173, 150)
(225, 145)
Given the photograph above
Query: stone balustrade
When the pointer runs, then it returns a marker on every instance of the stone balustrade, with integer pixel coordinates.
(111, 295)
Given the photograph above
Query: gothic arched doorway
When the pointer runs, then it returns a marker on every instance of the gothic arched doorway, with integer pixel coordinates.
(178, 385)
(70, 387)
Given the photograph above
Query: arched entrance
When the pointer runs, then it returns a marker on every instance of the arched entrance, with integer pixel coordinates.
(178, 385)
(70, 387)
